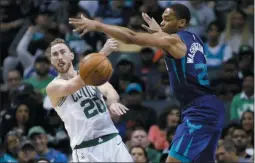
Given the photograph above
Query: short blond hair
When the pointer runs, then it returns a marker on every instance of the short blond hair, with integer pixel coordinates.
(55, 42)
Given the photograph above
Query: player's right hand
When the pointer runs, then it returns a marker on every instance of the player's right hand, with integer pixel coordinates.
(110, 46)
(153, 25)
(118, 109)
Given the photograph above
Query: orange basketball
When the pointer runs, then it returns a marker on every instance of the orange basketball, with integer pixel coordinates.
(95, 69)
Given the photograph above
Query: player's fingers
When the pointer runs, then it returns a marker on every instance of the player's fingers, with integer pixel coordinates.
(84, 32)
(76, 22)
(74, 19)
(78, 29)
(123, 110)
(146, 28)
(83, 17)
(146, 18)
(119, 110)
(114, 44)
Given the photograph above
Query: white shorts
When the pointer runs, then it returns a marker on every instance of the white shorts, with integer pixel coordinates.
(113, 150)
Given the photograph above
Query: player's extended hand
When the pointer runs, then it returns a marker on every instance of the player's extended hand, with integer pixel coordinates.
(83, 25)
(117, 108)
(110, 46)
(153, 25)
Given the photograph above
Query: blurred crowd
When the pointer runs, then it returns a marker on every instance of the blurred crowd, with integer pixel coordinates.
(31, 130)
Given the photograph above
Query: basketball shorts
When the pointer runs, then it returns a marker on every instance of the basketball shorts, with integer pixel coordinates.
(196, 138)
(113, 150)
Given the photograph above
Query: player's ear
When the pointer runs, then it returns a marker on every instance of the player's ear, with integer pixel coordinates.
(182, 23)
(72, 56)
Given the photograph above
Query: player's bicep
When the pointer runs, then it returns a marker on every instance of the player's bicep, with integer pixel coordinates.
(159, 40)
(57, 88)
(62, 88)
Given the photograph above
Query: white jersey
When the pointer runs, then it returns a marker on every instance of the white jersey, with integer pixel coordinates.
(85, 115)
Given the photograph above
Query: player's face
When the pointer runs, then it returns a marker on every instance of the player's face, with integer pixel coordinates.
(61, 57)
(170, 24)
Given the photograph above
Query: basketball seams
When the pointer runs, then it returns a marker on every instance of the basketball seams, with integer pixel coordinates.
(94, 68)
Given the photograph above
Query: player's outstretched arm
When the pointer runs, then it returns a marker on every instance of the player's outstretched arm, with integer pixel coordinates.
(112, 99)
(61, 88)
(109, 92)
(172, 43)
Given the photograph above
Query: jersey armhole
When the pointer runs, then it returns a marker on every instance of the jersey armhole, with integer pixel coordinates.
(60, 103)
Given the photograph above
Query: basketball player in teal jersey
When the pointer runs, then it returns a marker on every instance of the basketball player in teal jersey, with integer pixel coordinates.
(202, 113)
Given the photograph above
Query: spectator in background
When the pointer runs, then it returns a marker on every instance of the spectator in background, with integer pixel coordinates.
(4, 157)
(92, 41)
(229, 77)
(39, 138)
(153, 9)
(139, 154)
(147, 65)
(31, 45)
(228, 130)
(226, 152)
(125, 74)
(120, 125)
(158, 83)
(139, 137)
(247, 123)
(246, 59)
(12, 19)
(245, 100)
(14, 80)
(134, 23)
(201, 16)
(115, 13)
(170, 118)
(216, 52)
(12, 143)
(138, 112)
(56, 132)
(240, 139)
(20, 120)
(26, 152)
(42, 78)
(237, 31)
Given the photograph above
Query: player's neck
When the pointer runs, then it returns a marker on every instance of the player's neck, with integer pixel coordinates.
(69, 74)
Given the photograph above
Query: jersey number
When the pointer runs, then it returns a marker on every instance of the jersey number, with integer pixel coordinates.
(89, 107)
(202, 74)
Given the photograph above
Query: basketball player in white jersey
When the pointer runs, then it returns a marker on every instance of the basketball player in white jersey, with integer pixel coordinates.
(93, 136)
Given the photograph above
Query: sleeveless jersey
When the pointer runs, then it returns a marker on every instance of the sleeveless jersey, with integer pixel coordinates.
(188, 76)
(85, 115)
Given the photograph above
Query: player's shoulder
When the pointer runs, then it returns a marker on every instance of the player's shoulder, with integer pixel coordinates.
(54, 83)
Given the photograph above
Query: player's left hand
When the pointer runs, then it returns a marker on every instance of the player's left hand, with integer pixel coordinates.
(153, 25)
(110, 46)
(117, 108)
(83, 25)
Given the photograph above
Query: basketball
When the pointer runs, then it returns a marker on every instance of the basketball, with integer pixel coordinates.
(95, 69)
